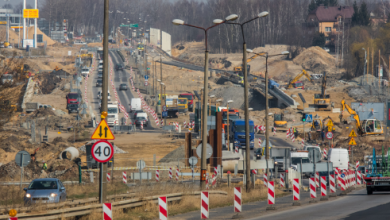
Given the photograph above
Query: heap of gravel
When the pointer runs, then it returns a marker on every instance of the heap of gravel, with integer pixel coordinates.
(230, 92)
(173, 155)
(117, 150)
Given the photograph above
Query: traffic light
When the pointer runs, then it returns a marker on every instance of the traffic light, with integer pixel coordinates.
(304, 117)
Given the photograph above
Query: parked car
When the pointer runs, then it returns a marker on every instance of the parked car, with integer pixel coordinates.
(142, 118)
(99, 83)
(119, 67)
(136, 112)
(46, 190)
(122, 86)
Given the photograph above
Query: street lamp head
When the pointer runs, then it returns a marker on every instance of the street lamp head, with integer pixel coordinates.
(219, 100)
(230, 101)
(217, 21)
(177, 22)
(250, 109)
(212, 96)
(363, 48)
(249, 51)
(158, 80)
(263, 14)
(162, 83)
(231, 17)
(285, 53)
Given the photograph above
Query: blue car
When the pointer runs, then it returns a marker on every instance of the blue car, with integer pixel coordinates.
(46, 190)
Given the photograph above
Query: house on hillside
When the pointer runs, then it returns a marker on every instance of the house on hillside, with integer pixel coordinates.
(331, 21)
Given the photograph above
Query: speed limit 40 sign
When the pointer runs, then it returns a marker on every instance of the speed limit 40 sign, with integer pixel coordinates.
(102, 151)
(329, 135)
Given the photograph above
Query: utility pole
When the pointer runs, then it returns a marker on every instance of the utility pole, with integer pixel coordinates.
(247, 136)
(103, 166)
(266, 114)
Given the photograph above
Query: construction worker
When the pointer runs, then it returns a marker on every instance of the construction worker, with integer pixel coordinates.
(323, 135)
(44, 165)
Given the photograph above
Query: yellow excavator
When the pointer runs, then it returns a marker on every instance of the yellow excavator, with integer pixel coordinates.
(299, 84)
(321, 101)
(365, 127)
(238, 69)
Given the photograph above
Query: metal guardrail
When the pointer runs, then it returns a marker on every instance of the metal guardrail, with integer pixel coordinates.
(59, 213)
(122, 128)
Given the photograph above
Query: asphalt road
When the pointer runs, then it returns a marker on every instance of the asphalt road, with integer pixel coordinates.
(355, 205)
(125, 96)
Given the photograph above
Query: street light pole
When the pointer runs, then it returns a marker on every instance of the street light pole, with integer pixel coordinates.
(246, 99)
(205, 91)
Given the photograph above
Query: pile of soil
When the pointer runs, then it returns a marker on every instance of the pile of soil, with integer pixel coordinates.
(42, 112)
(48, 81)
(316, 60)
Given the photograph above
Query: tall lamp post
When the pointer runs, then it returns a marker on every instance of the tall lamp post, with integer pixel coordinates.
(365, 64)
(266, 98)
(227, 124)
(205, 94)
(246, 100)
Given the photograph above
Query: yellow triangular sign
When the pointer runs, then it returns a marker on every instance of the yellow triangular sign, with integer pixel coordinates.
(330, 123)
(103, 132)
(352, 142)
(352, 134)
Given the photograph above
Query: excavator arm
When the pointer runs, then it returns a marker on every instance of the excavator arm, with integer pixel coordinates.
(303, 73)
(239, 68)
(351, 112)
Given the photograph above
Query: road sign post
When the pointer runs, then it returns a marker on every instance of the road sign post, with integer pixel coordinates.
(22, 159)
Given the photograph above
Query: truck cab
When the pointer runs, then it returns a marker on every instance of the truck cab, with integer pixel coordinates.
(182, 104)
(73, 98)
(297, 157)
(190, 99)
(112, 116)
(237, 133)
(299, 85)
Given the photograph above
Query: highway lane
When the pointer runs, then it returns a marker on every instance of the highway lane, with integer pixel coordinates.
(356, 205)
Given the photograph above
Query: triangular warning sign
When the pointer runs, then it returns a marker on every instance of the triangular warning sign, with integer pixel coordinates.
(330, 123)
(103, 132)
(352, 134)
(352, 142)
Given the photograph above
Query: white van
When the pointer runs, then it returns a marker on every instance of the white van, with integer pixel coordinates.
(310, 149)
(135, 104)
(339, 157)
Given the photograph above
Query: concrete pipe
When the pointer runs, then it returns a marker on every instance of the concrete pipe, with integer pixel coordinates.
(69, 153)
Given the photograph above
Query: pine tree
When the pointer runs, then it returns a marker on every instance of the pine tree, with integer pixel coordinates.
(312, 6)
(319, 39)
(364, 15)
(355, 16)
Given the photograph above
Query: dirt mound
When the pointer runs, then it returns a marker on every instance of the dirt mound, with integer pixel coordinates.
(42, 112)
(58, 140)
(316, 60)
(97, 44)
(48, 81)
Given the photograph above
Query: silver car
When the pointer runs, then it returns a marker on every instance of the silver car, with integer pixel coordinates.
(46, 190)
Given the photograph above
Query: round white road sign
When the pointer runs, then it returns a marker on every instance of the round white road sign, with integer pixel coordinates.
(209, 151)
(193, 161)
(329, 135)
(102, 151)
(141, 164)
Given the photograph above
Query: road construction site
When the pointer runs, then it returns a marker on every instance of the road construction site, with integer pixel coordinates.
(52, 135)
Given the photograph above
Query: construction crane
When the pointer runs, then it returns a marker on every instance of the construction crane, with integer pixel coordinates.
(321, 101)
(298, 84)
(365, 127)
(238, 69)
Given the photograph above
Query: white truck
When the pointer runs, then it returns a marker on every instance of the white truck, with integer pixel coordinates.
(135, 104)
(339, 157)
(112, 116)
(297, 156)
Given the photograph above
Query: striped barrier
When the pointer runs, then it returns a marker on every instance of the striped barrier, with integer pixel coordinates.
(170, 172)
(282, 184)
(317, 176)
(332, 185)
(296, 189)
(107, 211)
(124, 175)
(313, 193)
(323, 186)
(177, 174)
(265, 180)
(108, 177)
(237, 199)
(163, 208)
(271, 193)
(204, 204)
(157, 175)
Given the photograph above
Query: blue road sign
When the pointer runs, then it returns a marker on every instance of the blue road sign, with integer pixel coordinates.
(165, 114)
(309, 118)
(146, 77)
(342, 175)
